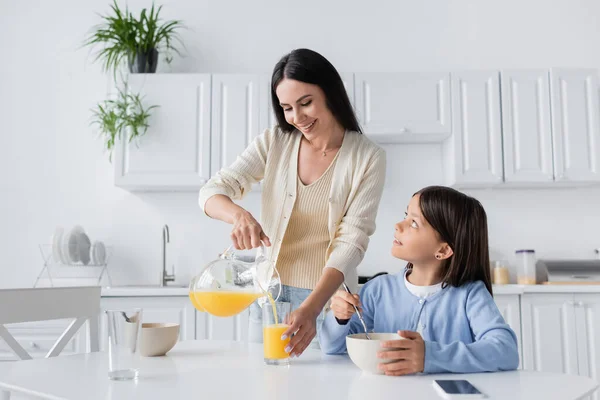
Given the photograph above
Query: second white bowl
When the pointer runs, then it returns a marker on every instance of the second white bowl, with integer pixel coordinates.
(158, 338)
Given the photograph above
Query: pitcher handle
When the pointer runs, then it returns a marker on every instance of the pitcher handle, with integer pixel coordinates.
(261, 252)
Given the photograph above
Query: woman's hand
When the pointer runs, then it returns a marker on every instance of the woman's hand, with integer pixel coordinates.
(247, 232)
(409, 354)
(342, 304)
(303, 324)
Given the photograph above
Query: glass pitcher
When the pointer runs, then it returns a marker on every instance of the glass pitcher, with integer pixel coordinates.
(228, 285)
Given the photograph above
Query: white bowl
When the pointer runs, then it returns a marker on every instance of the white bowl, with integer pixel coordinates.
(158, 338)
(363, 352)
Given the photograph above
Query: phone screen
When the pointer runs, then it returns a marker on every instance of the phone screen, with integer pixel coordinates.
(460, 386)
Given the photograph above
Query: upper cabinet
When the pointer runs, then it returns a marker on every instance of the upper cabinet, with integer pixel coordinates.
(235, 117)
(474, 151)
(496, 128)
(397, 107)
(575, 122)
(526, 126)
(175, 152)
(550, 129)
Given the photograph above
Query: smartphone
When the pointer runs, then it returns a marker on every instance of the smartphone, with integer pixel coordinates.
(456, 389)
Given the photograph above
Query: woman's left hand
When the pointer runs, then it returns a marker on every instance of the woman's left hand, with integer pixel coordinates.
(303, 322)
(409, 356)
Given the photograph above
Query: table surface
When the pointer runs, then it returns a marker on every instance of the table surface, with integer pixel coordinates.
(206, 369)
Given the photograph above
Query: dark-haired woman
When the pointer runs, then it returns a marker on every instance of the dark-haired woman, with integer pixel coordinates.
(322, 181)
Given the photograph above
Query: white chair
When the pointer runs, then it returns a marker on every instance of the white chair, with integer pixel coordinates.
(44, 304)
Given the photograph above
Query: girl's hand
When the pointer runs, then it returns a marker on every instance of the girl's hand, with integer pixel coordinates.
(303, 325)
(342, 304)
(247, 232)
(409, 354)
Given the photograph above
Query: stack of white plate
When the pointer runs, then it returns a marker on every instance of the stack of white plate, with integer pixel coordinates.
(75, 248)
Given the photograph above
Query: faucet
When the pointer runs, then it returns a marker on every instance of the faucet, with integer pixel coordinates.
(164, 276)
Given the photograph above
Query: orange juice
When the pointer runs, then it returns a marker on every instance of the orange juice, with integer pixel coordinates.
(195, 303)
(272, 301)
(224, 303)
(274, 347)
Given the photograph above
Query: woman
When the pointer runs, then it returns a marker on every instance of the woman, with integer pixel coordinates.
(322, 183)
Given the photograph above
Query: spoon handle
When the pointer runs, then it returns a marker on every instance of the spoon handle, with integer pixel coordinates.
(362, 321)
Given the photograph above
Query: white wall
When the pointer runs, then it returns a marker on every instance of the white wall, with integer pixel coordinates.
(53, 171)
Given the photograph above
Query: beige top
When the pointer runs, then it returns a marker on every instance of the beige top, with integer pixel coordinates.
(356, 188)
(303, 251)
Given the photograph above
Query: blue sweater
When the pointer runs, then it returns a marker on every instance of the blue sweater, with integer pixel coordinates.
(462, 328)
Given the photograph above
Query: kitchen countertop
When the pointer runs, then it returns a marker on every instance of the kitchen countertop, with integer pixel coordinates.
(154, 291)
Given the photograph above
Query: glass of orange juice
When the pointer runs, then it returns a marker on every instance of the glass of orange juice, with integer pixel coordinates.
(276, 316)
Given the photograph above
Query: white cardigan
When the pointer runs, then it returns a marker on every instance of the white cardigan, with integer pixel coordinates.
(356, 189)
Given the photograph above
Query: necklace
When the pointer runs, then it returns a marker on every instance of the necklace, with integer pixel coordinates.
(326, 150)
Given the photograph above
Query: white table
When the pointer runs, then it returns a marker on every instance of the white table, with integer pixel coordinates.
(233, 370)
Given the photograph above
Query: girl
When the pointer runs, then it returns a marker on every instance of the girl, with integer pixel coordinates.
(442, 303)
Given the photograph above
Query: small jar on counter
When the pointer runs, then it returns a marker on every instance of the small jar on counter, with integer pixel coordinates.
(526, 267)
(500, 274)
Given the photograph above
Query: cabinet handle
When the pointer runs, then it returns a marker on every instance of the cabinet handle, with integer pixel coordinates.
(34, 345)
(581, 304)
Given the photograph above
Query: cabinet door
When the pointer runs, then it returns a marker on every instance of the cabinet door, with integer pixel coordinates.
(174, 154)
(510, 308)
(396, 107)
(474, 152)
(549, 333)
(235, 117)
(526, 126)
(587, 315)
(575, 122)
(177, 310)
(219, 328)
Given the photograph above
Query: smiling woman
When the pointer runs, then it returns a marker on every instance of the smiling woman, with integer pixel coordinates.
(322, 182)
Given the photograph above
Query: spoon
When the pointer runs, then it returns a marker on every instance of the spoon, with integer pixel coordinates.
(362, 321)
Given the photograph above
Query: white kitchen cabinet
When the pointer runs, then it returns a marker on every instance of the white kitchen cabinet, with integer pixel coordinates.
(267, 116)
(155, 309)
(235, 116)
(220, 328)
(473, 155)
(576, 125)
(404, 107)
(510, 308)
(587, 316)
(526, 126)
(174, 154)
(549, 332)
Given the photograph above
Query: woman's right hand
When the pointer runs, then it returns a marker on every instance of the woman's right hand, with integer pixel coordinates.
(342, 304)
(247, 232)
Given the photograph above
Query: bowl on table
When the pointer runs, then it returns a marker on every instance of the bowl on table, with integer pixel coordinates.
(158, 338)
(363, 352)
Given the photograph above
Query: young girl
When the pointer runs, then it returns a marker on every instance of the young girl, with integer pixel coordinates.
(441, 303)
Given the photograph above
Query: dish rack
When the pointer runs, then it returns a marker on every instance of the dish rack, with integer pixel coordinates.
(71, 274)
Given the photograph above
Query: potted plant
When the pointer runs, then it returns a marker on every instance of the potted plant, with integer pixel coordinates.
(123, 117)
(138, 41)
